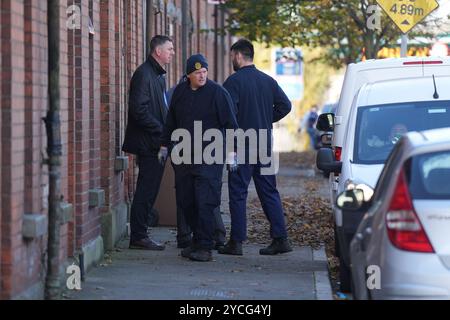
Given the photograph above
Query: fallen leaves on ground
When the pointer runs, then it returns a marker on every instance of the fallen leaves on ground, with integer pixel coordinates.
(309, 219)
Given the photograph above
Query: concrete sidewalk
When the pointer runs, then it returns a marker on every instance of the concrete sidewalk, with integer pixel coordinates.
(299, 275)
(147, 275)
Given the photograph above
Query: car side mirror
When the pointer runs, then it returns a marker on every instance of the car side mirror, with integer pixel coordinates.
(326, 122)
(327, 139)
(326, 162)
(351, 200)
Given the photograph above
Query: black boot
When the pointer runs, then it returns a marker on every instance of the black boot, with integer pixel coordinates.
(218, 245)
(201, 255)
(186, 252)
(233, 248)
(147, 244)
(183, 244)
(280, 245)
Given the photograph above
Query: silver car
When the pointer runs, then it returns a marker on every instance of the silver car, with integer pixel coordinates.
(402, 247)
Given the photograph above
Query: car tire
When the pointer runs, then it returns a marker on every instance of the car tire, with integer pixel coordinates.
(337, 252)
(354, 291)
(345, 277)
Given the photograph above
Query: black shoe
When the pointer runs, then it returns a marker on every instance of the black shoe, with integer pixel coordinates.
(186, 252)
(233, 248)
(201, 255)
(147, 244)
(219, 245)
(277, 246)
(184, 244)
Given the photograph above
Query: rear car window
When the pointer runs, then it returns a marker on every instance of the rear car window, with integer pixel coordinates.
(380, 127)
(429, 176)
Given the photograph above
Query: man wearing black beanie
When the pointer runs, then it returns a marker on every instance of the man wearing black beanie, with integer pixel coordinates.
(198, 102)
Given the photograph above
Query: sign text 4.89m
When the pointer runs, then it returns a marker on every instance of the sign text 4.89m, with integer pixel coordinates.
(407, 13)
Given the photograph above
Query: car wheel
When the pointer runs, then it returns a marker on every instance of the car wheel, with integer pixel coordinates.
(355, 297)
(337, 252)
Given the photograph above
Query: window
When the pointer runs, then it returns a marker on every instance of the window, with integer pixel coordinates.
(429, 176)
(380, 127)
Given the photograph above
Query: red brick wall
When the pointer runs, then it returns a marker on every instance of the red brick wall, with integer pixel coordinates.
(113, 90)
(94, 226)
(81, 123)
(95, 74)
(24, 103)
(12, 143)
(1, 149)
(108, 97)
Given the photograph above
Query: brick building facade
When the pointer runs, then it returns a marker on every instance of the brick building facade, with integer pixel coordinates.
(98, 58)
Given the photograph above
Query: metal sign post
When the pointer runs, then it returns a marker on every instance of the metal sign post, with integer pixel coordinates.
(404, 50)
(406, 14)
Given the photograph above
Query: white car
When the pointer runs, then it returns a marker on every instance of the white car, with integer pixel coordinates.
(402, 246)
(380, 114)
(373, 71)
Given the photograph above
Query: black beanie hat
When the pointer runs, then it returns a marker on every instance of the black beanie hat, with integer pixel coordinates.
(196, 62)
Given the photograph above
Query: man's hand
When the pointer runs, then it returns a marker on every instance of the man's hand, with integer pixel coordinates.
(162, 155)
(232, 163)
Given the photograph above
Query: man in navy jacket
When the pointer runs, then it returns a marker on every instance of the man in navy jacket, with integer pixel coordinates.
(198, 183)
(260, 102)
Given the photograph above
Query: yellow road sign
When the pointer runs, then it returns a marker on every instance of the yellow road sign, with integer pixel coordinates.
(407, 13)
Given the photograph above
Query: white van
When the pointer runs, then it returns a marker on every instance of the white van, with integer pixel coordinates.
(371, 88)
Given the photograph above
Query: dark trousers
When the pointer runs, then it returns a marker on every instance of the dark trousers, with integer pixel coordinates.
(198, 191)
(147, 188)
(184, 232)
(266, 187)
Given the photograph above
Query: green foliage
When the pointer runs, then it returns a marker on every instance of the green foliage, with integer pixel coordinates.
(340, 26)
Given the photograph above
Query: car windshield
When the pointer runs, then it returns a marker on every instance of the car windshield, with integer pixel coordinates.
(429, 176)
(380, 127)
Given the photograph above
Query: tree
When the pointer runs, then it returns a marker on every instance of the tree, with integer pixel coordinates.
(340, 26)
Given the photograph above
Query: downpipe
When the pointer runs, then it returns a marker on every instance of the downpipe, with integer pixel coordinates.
(54, 153)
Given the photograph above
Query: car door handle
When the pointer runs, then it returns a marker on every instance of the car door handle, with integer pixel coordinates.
(360, 238)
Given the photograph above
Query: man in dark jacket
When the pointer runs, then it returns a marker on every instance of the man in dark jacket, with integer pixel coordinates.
(198, 106)
(147, 113)
(184, 232)
(260, 102)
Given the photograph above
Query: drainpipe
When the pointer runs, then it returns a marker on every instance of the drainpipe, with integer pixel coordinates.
(184, 32)
(54, 153)
(216, 43)
(150, 21)
(222, 44)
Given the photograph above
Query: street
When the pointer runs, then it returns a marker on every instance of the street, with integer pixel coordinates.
(300, 275)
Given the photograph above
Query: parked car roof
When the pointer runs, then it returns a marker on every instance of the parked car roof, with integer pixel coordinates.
(405, 90)
(429, 137)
